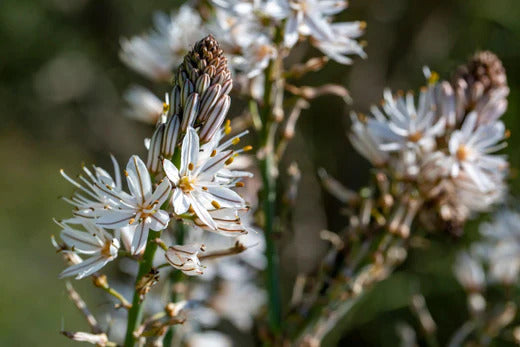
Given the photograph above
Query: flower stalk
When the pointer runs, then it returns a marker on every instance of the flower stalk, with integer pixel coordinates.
(136, 312)
(268, 168)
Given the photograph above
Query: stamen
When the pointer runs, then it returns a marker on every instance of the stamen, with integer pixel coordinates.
(215, 204)
(434, 77)
(239, 184)
(227, 127)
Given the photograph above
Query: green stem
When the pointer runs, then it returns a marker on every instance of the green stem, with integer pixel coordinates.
(267, 168)
(175, 277)
(136, 312)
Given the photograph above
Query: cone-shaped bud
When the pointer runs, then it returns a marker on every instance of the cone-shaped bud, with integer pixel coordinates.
(481, 85)
(199, 99)
(483, 69)
(202, 85)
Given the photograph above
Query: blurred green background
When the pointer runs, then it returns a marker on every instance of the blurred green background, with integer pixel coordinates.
(60, 105)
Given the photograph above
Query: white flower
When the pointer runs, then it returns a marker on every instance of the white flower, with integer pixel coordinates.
(95, 242)
(256, 56)
(202, 183)
(469, 272)
(342, 42)
(185, 258)
(403, 126)
(95, 191)
(365, 143)
(309, 18)
(239, 302)
(209, 338)
(143, 105)
(155, 54)
(470, 148)
(501, 247)
(139, 210)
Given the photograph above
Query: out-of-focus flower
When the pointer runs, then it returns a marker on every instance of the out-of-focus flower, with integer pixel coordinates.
(469, 272)
(185, 258)
(139, 210)
(155, 54)
(239, 302)
(143, 105)
(256, 56)
(402, 126)
(312, 18)
(500, 248)
(209, 338)
(365, 142)
(342, 43)
(95, 242)
(470, 149)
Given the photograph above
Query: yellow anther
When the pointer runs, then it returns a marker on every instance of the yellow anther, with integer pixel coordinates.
(434, 77)
(239, 184)
(235, 141)
(362, 25)
(507, 133)
(213, 153)
(105, 251)
(247, 148)
(215, 204)
(190, 166)
(204, 188)
(126, 173)
(131, 221)
(229, 161)
(227, 127)
(415, 137)
(462, 153)
(186, 184)
(165, 107)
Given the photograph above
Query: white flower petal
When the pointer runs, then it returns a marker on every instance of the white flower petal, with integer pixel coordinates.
(138, 179)
(171, 171)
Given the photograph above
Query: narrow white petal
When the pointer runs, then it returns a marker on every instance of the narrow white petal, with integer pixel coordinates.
(138, 178)
(140, 238)
(171, 171)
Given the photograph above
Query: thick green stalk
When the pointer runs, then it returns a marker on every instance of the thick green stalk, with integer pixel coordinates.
(268, 200)
(175, 277)
(135, 313)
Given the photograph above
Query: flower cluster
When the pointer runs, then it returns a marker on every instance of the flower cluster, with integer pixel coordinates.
(444, 141)
(187, 176)
(250, 34)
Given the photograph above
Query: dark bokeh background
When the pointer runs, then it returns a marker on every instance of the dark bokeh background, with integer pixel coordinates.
(60, 105)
